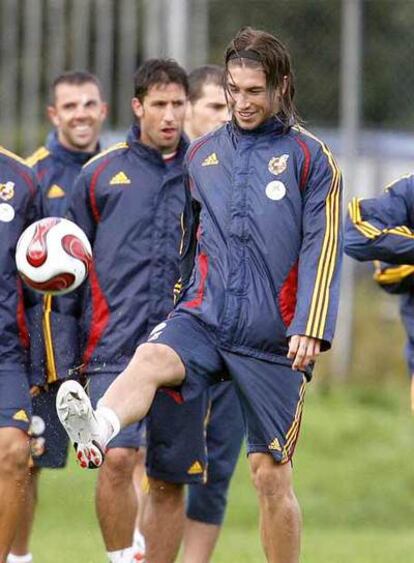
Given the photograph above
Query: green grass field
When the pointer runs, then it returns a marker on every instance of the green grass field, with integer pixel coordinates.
(353, 474)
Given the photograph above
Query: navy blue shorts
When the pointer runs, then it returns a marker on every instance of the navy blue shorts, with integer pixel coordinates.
(133, 436)
(15, 403)
(55, 442)
(176, 445)
(225, 431)
(271, 394)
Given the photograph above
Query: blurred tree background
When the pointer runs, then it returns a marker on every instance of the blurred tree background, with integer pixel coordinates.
(39, 38)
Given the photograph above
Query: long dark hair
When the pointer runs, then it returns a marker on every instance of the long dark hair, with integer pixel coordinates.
(254, 47)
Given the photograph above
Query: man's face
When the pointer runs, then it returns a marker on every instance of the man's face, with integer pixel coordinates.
(78, 114)
(248, 96)
(209, 111)
(161, 116)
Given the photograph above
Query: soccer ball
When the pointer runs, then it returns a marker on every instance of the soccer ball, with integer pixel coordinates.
(53, 256)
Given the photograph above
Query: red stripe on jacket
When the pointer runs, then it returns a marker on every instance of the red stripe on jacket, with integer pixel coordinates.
(92, 188)
(203, 267)
(287, 296)
(100, 315)
(306, 165)
(21, 318)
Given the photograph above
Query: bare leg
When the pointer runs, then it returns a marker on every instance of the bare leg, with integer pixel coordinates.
(199, 541)
(280, 518)
(139, 484)
(163, 521)
(21, 540)
(131, 394)
(116, 502)
(14, 458)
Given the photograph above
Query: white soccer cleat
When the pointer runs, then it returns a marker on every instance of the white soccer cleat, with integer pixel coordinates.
(78, 418)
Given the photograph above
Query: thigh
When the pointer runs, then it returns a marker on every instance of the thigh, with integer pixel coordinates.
(195, 346)
(271, 396)
(176, 448)
(50, 442)
(15, 402)
(132, 436)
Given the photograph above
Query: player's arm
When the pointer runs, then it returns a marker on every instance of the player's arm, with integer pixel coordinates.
(190, 219)
(382, 228)
(312, 327)
(394, 278)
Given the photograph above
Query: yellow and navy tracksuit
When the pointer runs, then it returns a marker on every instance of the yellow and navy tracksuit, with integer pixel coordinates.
(19, 206)
(261, 262)
(55, 343)
(382, 229)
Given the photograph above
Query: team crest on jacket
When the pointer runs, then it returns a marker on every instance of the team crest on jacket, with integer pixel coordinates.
(278, 164)
(6, 191)
(275, 190)
(7, 213)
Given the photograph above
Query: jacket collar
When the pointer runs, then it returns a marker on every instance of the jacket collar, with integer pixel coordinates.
(66, 155)
(149, 153)
(272, 126)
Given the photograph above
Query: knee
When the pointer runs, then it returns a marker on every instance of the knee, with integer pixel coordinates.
(119, 466)
(162, 492)
(160, 361)
(271, 480)
(14, 454)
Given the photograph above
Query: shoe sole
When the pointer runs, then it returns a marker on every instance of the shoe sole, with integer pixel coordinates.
(74, 411)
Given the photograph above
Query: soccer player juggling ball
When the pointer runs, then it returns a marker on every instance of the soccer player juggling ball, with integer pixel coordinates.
(259, 287)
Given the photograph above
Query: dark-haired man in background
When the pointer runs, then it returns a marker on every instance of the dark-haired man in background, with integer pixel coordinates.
(129, 200)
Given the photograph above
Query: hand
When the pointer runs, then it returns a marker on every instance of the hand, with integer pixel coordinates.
(35, 390)
(303, 350)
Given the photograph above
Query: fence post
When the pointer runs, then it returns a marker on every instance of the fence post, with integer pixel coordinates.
(80, 35)
(154, 15)
(350, 118)
(128, 59)
(31, 73)
(177, 31)
(9, 24)
(56, 39)
(104, 52)
(199, 33)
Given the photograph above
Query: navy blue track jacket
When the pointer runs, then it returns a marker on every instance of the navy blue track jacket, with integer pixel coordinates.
(263, 216)
(129, 202)
(19, 206)
(382, 229)
(54, 322)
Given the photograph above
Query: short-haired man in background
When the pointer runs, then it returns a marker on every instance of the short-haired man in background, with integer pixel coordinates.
(77, 110)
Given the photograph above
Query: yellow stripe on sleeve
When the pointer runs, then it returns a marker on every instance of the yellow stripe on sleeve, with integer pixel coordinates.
(40, 154)
(393, 275)
(326, 265)
(110, 149)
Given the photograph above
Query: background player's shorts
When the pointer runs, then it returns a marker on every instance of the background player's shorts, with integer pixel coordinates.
(271, 394)
(15, 403)
(225, 431)
(176, 439)
(53, 451)
(133, 436)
